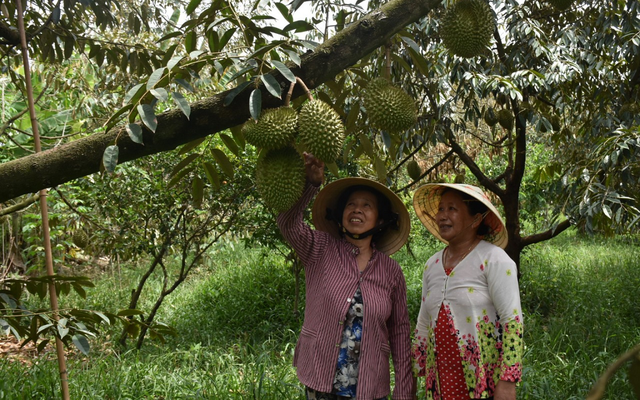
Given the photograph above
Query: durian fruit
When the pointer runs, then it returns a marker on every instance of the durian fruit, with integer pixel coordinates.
(505, 119)
(414, 170)
(467, 27)
(490, 116)
(389, 107)
(561, 4)
(321, 130)
(280, 177)
(275, 128)
(80, 238)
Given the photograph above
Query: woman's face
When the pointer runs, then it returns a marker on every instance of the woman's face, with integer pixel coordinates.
(361, 212)
(453, 219)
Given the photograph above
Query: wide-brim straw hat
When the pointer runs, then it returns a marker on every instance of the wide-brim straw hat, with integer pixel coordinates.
(427, 199)
(391, 239)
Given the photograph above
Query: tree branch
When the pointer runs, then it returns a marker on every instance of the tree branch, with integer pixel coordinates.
(542, 236)
(84, 156)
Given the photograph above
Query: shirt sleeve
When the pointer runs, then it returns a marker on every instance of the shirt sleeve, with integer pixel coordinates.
(297, 233)
(502, 280)
(400, 340)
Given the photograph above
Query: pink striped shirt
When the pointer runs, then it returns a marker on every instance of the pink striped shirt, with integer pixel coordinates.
(331, 278)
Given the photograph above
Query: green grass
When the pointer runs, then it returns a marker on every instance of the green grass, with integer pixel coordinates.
(238, 326)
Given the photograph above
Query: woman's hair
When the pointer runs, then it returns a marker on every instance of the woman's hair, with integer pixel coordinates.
(474, 206)
(384, 205)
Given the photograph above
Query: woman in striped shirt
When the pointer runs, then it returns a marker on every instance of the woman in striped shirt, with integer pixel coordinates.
(356, 307)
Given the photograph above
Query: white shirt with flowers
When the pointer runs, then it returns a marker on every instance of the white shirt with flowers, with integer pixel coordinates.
(482, 298)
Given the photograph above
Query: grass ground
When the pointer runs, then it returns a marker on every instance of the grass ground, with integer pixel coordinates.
(237, 328)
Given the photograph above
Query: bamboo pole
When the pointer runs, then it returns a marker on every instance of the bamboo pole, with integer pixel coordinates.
(62, 364)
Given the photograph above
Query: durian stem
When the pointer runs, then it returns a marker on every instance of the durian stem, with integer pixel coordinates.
(387, 61)
(306, 89)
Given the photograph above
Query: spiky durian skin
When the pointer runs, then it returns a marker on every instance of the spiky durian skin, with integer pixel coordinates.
(389, 107)
(505, 119)
(490, 117)
(275, 128)
(467, 27)
(280, 178)
(321, 130)
(414, 170)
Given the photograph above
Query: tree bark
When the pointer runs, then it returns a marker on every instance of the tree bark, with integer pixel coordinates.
(84, 156)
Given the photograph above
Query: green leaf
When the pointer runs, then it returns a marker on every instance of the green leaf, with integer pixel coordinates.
(110, 158)
(293, 56)
(185, 84)
(298, 26)
(44, 327)
(333, 168)
(104, 318)
(381, 170)
(193, 4)
(62, 328)
(178, 177)
(111, 122)
(135, 133)
(8, 300)
(81, 343)
(155, 77)
(129, 312)
(255, 104)
(284, 11)
(366, 144)
(212, 175)
(236, 131)
(272, 85)
(42, 345)
(419, 61)
(197, 191)
(79, 290)
(228, 99)
(230, 143)
(147, 116)
(160, 94)
(134, 92)
(182, 104)
(223, 162)
(225, 38)
(183, 163)
(190, 146)
(191, 41)
(173, 62)
(284, 70)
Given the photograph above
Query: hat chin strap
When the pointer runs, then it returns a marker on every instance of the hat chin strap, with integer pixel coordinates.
(393, 222)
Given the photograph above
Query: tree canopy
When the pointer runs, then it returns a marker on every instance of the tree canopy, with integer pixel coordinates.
(118, 81)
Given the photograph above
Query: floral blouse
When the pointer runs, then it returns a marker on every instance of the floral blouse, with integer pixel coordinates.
(346, 380)
(482, 297)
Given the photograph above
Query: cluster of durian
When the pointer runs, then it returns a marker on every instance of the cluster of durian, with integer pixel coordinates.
(389, 107)
(280, 173)
(503, 116)
(467, 27)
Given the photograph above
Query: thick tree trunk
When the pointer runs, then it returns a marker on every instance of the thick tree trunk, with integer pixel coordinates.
(84, 156)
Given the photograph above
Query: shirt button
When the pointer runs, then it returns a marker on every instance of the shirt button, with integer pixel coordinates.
(348, 299)
(337, 344)
(340, 322)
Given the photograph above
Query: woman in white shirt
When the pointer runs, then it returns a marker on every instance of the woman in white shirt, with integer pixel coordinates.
(468, 338)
